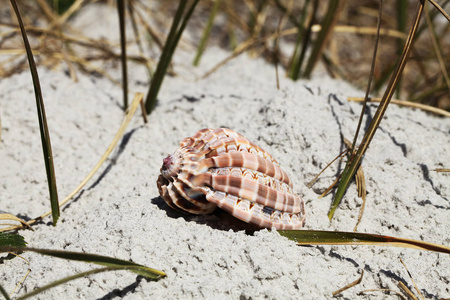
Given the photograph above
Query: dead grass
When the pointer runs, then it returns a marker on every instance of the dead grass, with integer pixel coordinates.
(346, 53)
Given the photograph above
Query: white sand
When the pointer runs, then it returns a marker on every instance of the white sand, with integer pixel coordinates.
(119, 213)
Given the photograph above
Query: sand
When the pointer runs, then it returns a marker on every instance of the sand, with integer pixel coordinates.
(119, 213)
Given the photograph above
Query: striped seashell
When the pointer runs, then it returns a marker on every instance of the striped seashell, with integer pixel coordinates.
(219, 167)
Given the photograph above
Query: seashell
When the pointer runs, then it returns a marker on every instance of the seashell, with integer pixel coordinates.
(221, 168)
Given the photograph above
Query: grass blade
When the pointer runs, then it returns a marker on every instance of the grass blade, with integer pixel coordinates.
(436, 46)
(412, 280)
(123, 47)
(4, 293)
(352, 166)
(10, 217)
(327, 27)
(109, 262)
(45, 135)
(130, 113)
(73, 277)
(166, 56)
(369, 83)
(350, 285)
(442, 11)
(424, 107)
(202, 45)
(303, 39)
(318, 237)
(131, 110)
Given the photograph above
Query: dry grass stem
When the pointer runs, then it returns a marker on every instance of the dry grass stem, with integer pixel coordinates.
(441, 170)
(72, 9)
(22, 280)
(276, 50)
(329, 164)
(436, 47)
(440, 9)
(361, 186)
(129, 114)
(253, 42)
(251, 21)
(406, 103)
(362, 30)
(81, 40)
(350, 285)
(330, 187)
(10, 217)
(359, 177)
(384, 290)
(143, 112)
(406, 290)
(157, 37)
(60, 53)
(49, 13)
(414, 283)
(87, 66)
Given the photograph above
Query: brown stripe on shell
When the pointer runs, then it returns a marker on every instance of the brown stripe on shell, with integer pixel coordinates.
(249, 161)
(256, 192)
(256, 214)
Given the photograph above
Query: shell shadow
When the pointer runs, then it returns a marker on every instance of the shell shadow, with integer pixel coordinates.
(219, 219)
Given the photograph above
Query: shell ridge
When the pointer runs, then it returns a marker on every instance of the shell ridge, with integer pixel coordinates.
(256, 214)
(252, 162)
(256, 192)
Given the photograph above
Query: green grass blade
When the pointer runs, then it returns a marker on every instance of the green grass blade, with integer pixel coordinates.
(303, 39)
(186, 18)
(12, 239)
(62, 281)
(76, 276)
(317, 237)
(166, 56)
(327, 27)
(109, 262)
(123, 47)
(206, 33)
(351, 168)
(45, 135)
(4, 293)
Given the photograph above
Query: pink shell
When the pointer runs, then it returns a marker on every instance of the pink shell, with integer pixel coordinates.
(219, 167)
